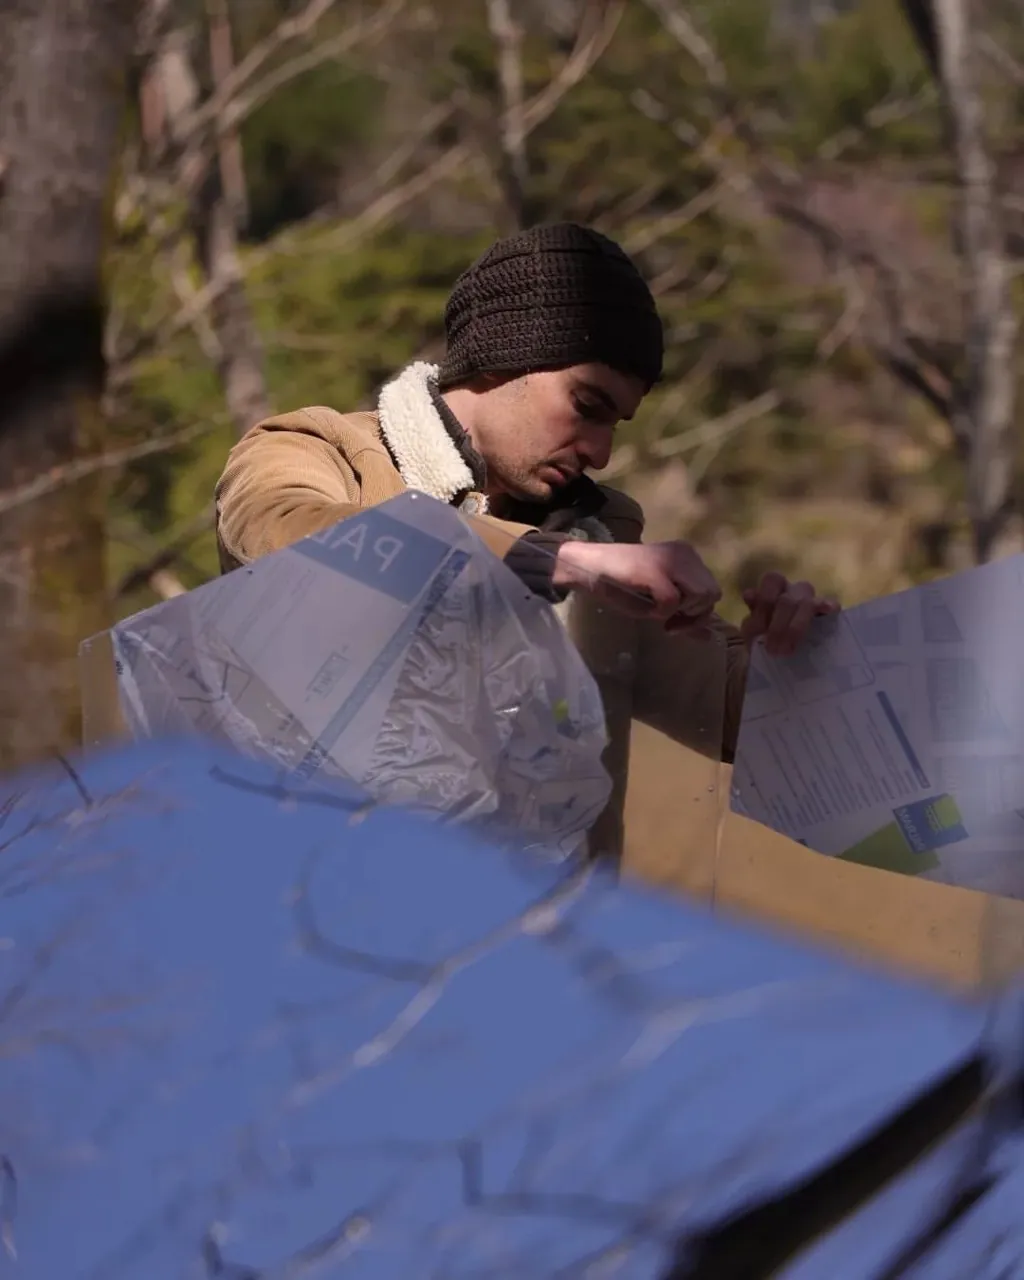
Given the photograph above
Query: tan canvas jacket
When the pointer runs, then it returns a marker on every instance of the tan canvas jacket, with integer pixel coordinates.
(295, 474)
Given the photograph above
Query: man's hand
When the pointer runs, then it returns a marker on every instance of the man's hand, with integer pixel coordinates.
(781, 612)
(665, 580)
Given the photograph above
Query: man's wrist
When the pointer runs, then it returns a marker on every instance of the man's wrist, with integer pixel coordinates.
(532, 559)
(574, 565)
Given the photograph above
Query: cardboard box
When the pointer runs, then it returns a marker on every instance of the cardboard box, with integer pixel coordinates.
(680, 834)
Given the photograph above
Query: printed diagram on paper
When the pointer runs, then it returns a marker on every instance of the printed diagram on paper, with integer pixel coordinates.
(895, 738)
(229, 660)
(392, 650)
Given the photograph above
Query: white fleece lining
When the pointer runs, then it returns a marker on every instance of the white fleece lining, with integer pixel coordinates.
(427, 457)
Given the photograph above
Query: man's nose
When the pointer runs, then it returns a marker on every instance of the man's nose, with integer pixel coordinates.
(594, 448)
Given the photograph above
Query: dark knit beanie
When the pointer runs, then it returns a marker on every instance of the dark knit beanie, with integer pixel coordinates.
(549, 297)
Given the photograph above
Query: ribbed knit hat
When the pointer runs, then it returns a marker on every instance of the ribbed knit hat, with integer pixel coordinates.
(553, 296)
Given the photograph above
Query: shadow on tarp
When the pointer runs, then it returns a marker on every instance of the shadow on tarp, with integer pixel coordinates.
(257, 1032)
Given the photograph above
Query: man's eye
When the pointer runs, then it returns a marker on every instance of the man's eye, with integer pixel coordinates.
(592, 412)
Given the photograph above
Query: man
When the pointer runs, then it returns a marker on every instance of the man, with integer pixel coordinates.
(553, 338)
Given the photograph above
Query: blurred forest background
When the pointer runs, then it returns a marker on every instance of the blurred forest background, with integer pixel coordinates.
(215, 209)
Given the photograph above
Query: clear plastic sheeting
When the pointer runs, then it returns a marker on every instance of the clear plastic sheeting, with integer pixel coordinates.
(392, 650)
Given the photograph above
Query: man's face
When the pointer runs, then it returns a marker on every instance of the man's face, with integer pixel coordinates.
(539, 431)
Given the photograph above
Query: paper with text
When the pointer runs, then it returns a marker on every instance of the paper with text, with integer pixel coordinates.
(895, 737)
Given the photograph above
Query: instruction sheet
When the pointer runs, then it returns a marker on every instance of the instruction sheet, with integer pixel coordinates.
(895, 737)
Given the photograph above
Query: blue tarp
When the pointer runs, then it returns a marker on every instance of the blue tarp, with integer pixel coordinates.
(254, 1033)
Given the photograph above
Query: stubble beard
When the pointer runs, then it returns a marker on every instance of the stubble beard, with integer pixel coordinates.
(524, 484)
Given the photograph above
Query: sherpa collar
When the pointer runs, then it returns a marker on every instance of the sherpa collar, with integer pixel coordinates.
(436, 460)
(426, 455)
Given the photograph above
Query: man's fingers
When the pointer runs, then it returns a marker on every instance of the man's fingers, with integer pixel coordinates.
(658, 598)
(781, 612)
(801, 591)
(698, 588)
(756, 622)
(638, 602)
(762, 601)
(787, 622)
(771, 587)
(791, 615)
(658, 580)
(692, 605)
(668, 597)
(760, 615)
(803, 616)
(777, 632)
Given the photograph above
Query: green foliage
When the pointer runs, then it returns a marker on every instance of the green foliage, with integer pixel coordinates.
(864, 58)
(380, 304)
(748, 302)
(294, 143)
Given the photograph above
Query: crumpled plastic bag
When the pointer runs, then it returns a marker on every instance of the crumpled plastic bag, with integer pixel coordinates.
(394, 651)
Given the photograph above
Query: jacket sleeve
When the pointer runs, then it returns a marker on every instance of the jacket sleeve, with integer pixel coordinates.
(282, 482)
(285, 480)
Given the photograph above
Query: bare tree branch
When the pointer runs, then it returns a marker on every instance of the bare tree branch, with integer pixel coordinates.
(781, 192)
(978, 407)
(382, 210)
(920, 15)
(594, 37)
(596, 34)
(325, 50)
(877, 117)
(392, 165)
(229, 145)
(179, 263)
(718, 429)
(167, 585)
(146, 343)
(984, 406)
(1001, 57)
(240, 93)
(677, 23)
(224, 325)
(161, 560)
(508, 40)
(59, 477)
(669, 223)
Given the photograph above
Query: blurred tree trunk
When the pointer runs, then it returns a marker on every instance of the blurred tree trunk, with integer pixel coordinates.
(222, 211)
(514, 172)
(982, 410)
(216, 195)
(63, 91)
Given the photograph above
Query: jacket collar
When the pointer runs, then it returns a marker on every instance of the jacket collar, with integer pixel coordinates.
(434, 454)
